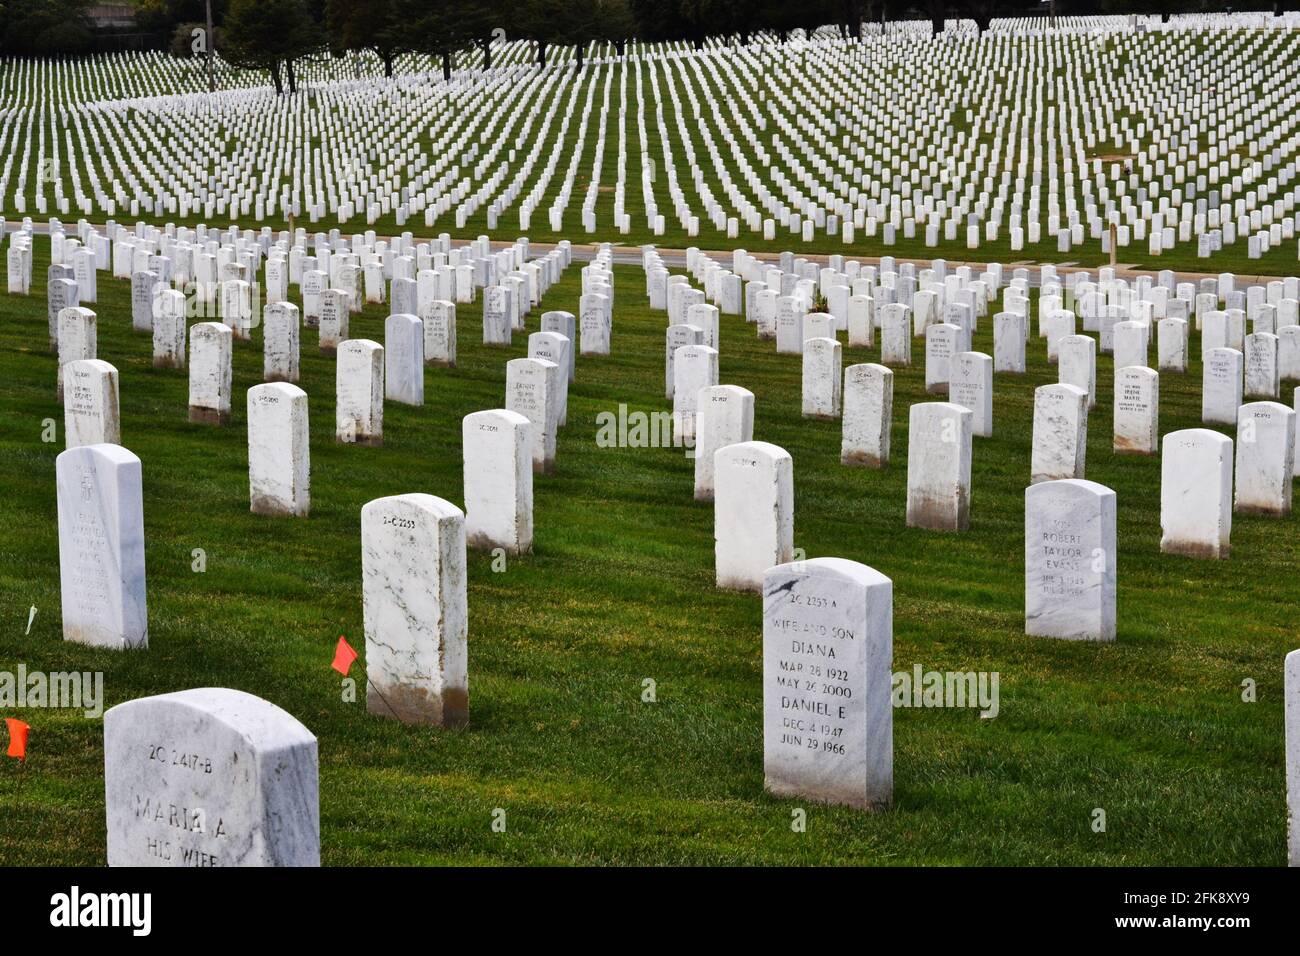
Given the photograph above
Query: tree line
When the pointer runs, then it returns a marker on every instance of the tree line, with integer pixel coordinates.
(274, 35)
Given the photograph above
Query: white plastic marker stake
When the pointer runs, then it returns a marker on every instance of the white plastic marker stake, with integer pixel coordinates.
(31, 616)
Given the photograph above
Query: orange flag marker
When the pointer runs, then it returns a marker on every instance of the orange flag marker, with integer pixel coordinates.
(344, 655)
(17, 738)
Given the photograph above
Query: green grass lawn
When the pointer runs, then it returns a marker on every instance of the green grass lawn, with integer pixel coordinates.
(1152, 728)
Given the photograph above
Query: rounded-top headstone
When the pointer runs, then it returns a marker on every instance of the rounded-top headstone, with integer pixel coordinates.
(101, 546)
(827, 662)
(209, 777)
(1070, 570)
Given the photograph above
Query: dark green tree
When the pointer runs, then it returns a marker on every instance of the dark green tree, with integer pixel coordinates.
(270, 35)
(551, 23)
(615, 23)
(438, 30)
(45, 27)
(375, 25)
(165, 16)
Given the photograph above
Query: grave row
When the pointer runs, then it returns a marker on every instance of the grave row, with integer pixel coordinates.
(1022, 136)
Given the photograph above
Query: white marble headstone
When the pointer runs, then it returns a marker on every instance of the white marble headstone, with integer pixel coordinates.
(1265, 459)
(334, 319)
(970, 385)
(532, 390)
(1060, 434)
(439, 318)
(1196, 493)
(90, 403)
(415, 609)
(822, 366)
(101, 547)
(1009, 342)
(827, 672)
(1291, 694)
(724, 416)
(281, 322)
(939, 466)
(498, 469)
(1136, 411)
(1221, 386)
(694, 367)
(753, 512)
(868, 415)
(209, 777)
(279, 462)
(1070, 574)
(211, 345)
(359, 392)
(404, 359)
(169, 329)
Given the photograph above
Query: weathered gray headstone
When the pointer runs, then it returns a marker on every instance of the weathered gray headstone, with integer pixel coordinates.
(1070, 575)
(415, 609)
(1265, 459)
(101, 547)
(209, 777)
(359, 392)
(91, 413)
(1060, 435)
(939, 466)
